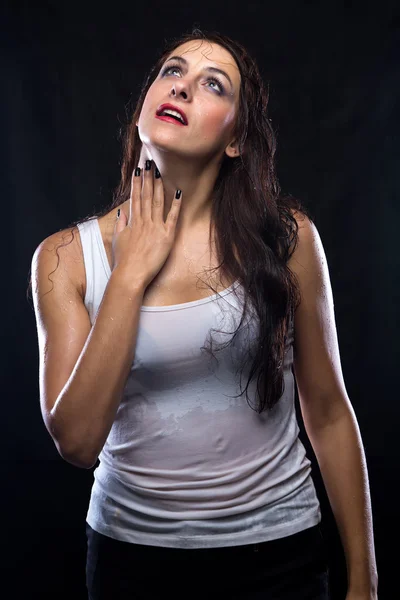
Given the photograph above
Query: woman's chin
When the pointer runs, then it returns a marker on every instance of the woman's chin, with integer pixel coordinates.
(171, 146)
(174, 144)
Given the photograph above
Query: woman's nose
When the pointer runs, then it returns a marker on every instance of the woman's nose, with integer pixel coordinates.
(180, 88)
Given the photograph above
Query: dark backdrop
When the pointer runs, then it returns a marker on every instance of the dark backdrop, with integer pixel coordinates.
(69, 71)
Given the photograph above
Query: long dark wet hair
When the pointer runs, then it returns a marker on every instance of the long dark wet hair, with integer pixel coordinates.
(249, 214)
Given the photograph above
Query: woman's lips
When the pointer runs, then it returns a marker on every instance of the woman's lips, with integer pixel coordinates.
(170, 120)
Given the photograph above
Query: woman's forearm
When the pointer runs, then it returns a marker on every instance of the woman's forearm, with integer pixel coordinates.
(339, 450)
(84, 412)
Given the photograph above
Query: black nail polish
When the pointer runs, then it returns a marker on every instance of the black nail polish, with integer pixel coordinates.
(137, 171)
(178, 194)
(148, 165)
(157, 173)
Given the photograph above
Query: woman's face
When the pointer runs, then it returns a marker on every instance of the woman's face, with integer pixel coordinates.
(189, 83)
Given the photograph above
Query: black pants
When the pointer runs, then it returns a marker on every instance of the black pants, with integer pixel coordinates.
(290, 568)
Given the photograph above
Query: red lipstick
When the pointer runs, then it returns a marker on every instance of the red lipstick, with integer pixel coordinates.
(163, 107)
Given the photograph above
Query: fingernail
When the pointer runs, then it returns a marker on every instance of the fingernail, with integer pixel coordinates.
(178, 194)
(118, 213)
(157, 173)
(137, 171)
(148, 165)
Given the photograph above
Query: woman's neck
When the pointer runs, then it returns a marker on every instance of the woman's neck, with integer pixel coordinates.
(196, 183)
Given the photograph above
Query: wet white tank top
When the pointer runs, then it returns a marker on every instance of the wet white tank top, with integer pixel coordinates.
(186, 463)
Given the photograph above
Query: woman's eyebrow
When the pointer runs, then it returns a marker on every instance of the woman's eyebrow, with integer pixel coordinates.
(212, 69)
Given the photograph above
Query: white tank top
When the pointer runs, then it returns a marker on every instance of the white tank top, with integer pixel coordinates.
(186, 464)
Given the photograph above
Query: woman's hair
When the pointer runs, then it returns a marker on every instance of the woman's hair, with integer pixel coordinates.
(249, 215)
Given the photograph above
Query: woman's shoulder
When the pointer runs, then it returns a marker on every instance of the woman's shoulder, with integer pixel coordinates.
(60, 255)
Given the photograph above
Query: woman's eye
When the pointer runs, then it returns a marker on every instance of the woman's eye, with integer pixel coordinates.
(172, 69)
(214, 80)
(167, 69)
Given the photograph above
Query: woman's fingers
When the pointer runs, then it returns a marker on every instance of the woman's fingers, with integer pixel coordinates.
(147, 191)
(145, 245)
(147, 194)
(173, 215)
(135, 199)
(121, 221)
(158, 197)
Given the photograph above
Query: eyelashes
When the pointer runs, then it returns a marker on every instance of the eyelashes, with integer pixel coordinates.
(212, 79)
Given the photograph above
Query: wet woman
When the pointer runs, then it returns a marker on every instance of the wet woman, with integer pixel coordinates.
(150, 314)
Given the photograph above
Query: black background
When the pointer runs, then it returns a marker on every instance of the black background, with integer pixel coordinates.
(68, 73)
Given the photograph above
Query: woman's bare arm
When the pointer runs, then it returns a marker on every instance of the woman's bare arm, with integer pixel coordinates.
(83, 369)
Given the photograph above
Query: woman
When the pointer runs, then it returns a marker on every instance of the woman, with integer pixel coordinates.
(202, 487)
